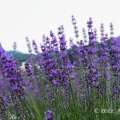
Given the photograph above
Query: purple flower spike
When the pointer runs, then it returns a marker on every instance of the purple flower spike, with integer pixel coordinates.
(63, 54)
(49, 114)
(90, 21)
(54, 82)
(51, 34)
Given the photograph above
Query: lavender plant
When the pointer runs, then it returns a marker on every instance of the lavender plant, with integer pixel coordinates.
(54, 88)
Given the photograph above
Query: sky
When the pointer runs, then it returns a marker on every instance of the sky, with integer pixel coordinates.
(33, 18)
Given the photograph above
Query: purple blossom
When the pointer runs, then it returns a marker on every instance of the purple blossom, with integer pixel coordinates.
(49, 114)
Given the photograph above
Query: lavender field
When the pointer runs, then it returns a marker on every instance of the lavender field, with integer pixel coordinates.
(51, 87)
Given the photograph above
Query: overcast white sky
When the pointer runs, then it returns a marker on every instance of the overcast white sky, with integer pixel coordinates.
(32, 18)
